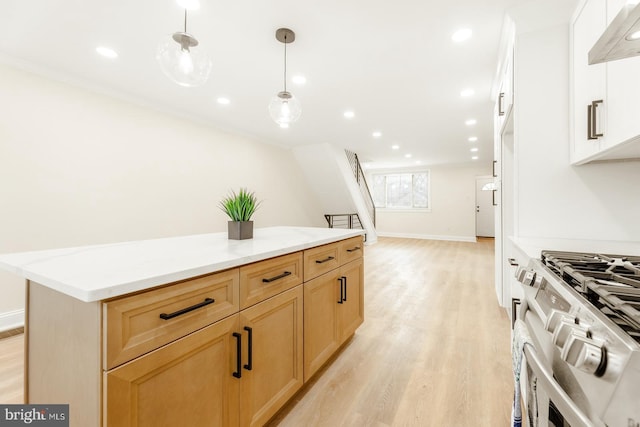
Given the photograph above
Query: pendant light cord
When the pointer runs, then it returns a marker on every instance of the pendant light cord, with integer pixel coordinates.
(185, 21)
(285, 62)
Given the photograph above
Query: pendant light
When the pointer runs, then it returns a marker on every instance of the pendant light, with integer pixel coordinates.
(284, 107)
(181, 61)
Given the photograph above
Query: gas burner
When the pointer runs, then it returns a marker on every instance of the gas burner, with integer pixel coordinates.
(611, 283)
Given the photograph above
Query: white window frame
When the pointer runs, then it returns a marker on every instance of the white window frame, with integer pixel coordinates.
(386, 173)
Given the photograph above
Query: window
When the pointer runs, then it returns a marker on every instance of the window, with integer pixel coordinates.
(401, 190)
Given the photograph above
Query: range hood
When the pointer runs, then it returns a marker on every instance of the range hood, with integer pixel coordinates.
(621, 39)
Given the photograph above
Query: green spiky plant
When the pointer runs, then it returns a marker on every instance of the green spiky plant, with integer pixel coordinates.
(240, 206)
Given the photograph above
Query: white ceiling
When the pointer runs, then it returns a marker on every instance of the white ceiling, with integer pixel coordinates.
(393, 63)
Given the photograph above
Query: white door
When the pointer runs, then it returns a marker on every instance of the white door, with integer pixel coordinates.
(485, 225)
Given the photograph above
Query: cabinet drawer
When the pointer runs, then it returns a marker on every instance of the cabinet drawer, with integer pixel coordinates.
(143, 322)
(264, 279)
(321, 259)
(351, 249)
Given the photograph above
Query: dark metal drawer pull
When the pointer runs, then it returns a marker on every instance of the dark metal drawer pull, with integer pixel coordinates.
(513, 262)
(238, 372)
(206, 301)
(249, 364)
(357, 248)
(500, 104)
(321, 261)
(273, 279)
(345, 287)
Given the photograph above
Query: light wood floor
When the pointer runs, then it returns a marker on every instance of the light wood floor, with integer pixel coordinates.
(433, 351)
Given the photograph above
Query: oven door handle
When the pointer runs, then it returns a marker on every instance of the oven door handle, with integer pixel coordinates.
(560, 398)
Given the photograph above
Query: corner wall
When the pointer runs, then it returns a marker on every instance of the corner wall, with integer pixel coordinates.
(81, 168)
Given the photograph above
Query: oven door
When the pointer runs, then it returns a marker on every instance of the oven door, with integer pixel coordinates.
(546, 402)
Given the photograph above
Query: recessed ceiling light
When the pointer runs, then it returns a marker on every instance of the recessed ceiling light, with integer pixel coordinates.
(473, 138)
(376, 134)
(461, 35)
(471, 122)
(467, 93)
(349, 114)
(408, 155)
(395, 147)
(223, 101)
(107, 52)
(633, 36)
(418, 162)
(299, 80)
(284, 125)
(474, 158)
(189, 4)
(474, 149)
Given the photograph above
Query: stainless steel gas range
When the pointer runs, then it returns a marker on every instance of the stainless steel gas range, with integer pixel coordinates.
(582, 311)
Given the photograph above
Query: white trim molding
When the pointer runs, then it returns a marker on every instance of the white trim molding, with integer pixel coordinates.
(471, 239)
(11, 320)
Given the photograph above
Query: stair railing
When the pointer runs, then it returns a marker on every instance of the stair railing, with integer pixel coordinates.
(354, 162)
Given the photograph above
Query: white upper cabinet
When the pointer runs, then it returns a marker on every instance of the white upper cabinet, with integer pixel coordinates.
(605, 107)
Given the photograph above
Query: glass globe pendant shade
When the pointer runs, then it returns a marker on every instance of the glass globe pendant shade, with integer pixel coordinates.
(284, 109)
(182, 61)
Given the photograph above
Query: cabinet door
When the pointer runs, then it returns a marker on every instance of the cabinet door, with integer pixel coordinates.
(186, 383)
(273, 371)
(351, 311)
(589, 81)
(321, 337)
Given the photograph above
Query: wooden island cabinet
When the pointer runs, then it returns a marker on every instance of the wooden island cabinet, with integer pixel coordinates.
(226, 348)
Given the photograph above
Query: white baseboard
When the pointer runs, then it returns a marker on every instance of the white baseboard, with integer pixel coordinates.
(471, 239)
(11, 320)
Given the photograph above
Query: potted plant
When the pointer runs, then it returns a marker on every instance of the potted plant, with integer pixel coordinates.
(240, 207)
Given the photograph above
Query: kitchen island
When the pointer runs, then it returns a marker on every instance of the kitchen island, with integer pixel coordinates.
(194, 330)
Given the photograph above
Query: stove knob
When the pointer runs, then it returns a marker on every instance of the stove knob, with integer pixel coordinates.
(524, 276)
(584, 354)
(565, 328)
(554, 318)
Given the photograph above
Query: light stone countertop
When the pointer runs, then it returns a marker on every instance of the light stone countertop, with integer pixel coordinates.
(93, 273)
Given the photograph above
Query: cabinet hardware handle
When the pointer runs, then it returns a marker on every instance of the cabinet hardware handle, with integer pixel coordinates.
(594, 122)
(206, 301)
(238, 372)
(321, 261)
(345, 287)
(493, 197)
(513, 262)
(495, 163)
(357, 248)
(340, 279)
(500, 101)
(249, 365)
(273, 279)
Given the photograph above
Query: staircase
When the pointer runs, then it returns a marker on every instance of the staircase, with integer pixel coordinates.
(340, 187)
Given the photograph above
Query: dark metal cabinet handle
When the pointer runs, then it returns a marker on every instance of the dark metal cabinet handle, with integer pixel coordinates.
(500, 102)
(495, 163)
(273, 279)
(512, 262)
(340, 279)
(238, 372)
(357, 248)
(206, 301)
(322, 261)
(493, 197)
(249, 364)
(344, 278)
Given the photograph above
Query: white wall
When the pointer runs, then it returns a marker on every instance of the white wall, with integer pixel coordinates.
(452, 215)
(556, 200)
(80, 168)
